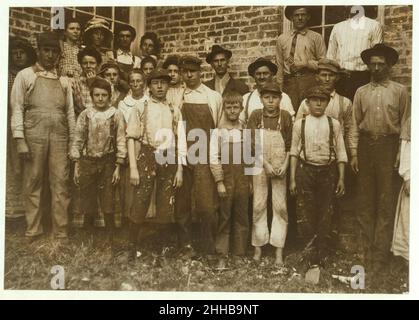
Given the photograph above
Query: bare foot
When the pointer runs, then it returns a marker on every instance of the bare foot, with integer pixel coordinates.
(258, 253)
(279, 261)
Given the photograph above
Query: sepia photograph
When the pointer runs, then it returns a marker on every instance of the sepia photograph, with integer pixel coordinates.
(249, 148)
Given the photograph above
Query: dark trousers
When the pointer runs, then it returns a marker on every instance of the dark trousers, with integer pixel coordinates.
(233, 223)
(296, 85)
(316, 190)
(199, 179)
(378, 184)
(96, 182)
(349, 83)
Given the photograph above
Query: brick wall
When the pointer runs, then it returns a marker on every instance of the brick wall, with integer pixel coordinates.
(248, 31)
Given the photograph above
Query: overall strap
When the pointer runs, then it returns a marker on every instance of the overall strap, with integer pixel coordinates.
(331, 134)
(303, 137)
(112, 132)
(86, 132)
(246, 108)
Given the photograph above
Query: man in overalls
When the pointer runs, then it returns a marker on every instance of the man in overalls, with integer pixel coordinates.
(202, 110)
(124, 36)
(43, 126)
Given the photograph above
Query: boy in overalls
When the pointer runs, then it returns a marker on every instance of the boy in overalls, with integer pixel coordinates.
(317, 153)
(148, 126)
(99, 149)
(43, 126)
(275, 127)
(232, 183)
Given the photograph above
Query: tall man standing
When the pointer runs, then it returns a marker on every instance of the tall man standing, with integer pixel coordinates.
(347, 40)
(201, 110)
(43, 126)
(379, 110)
(297, 54)
(219, 59)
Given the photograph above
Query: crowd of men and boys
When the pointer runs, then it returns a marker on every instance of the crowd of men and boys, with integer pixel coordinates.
(86, 121)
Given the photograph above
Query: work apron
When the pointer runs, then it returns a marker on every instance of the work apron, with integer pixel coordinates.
(274, 152)
(47, 136)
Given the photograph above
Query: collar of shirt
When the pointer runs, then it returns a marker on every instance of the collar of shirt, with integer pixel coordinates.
(302, 32)
(130, 101)
(318, 119)
(154, 100)
(272, 115)
(200, 89)
(121, 52)
(40, 71)
(93, 113)
(384, 83)
(224, 79)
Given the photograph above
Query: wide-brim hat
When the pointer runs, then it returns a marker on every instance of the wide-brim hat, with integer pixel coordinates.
(124, 27)
(21, 43)
(158, 74)
(289, 10)
(216, 49)
(262, 62)
(380, 49)
(97, 23)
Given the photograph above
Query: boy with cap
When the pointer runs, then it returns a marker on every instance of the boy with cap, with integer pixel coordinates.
(219, 59)
(297, 54)
(263, 71)
(232, 183)
(317, 153)
(124, 36)
(380, 109)
(154, 125)
(274, 127)
(21, 56)
(176, 86)
(43, 126)
(201, 111)
(98, 150)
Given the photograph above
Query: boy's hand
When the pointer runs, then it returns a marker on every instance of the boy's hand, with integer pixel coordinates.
(134, 177)
(76, 177)
(354, 164)
(281, 172)
(340, 188)
(221, 188)
(23, 149)
(293, 187)
(269, 170)
(178, 181)
(116, 176)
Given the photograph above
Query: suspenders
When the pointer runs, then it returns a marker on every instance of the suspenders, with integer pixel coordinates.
(112, 132)
(331, 134)
(246, 107)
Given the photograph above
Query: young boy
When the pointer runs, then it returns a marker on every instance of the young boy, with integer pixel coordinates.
(99, 149)
(317, 149)
(275, 128)
(232, 183)
(146, 125)
(110, 71)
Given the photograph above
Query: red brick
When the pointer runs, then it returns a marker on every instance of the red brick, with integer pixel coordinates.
(194, 14)
(243, 8)
(252, 14)
(217, 19)
(185, 23)
(222, 25)
(231, 31)
(208, 13)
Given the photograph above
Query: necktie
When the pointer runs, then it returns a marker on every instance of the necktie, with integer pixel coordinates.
(292, 51)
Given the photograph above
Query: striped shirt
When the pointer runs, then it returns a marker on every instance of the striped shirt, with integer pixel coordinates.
(379, 109)
(349, 38)
(309, 48)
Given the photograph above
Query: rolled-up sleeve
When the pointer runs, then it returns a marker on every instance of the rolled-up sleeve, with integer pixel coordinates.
(134, 127)
(121, 143)
(341, 155)
(296, 139)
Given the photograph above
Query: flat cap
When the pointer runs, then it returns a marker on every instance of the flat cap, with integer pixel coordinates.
(190, 63)
(329, 64)
(317, 92)
(271, 87)
(158, 74)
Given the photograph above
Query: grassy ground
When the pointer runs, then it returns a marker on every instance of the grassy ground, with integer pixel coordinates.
(89, 267)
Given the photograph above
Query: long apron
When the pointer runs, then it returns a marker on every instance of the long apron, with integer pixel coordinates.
(46, 131)
(274, 152)
(199, 177)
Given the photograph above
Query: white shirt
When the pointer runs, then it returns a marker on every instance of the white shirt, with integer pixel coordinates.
(221, 83)
(255, 103)
(349, 38)
(126, 58)
(129, 103)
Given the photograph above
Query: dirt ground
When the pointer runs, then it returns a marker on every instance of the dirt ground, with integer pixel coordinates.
(91, 266)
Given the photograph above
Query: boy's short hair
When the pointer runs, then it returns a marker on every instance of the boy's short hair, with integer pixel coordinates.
(101, 84)
(136, 71)
(89, 51)
(148, 59)
(232, 97)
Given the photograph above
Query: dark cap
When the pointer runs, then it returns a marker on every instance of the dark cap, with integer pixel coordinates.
(158, 74)
(271, 87)
(190, 63)
(48, 39)
(21, 43)
(380, 49)
(171, 60)
(289, 10)
(317, 92)
(328, 64)
(216, 49)
(262, 62)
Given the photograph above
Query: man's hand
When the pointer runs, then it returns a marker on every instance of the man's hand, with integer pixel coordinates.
(221, 189)
(354, 164)
(269, 170)
(76, 176)
(23, 149)
(281, 172)
(116, 176)
(293, 187)
(340, 188)
(134, 176)
(178, 181)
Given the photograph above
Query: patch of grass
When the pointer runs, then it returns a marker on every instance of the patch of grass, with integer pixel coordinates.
(92, 267)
